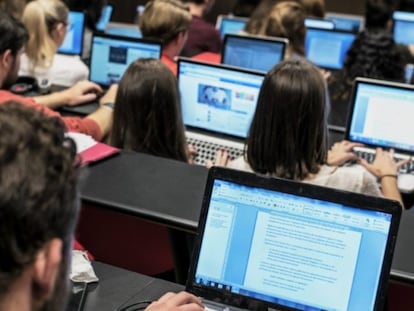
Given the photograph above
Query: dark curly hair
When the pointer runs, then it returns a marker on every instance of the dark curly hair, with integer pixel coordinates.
(373, 54)
(37, 188)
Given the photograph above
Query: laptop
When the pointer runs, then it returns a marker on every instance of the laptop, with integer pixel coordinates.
(105, 18)
(380, 115)
(123, 29)
(230, 24)
(73, 42)
(266, 243)
(327, 48)
(347, 22)
(319, 23)
(110, 57)
(253, 52)
(218, 103)
(403, 27)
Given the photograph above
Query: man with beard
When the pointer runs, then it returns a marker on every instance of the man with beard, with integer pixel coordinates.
(13, 37)
(38, 213)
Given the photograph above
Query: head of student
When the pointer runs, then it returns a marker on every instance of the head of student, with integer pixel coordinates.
(287, 19)
(288, 134)
(46, 22)
(147, 114)
(38, 209)
(314, 8)
(378, 13)
(13, 37)
(168, 21)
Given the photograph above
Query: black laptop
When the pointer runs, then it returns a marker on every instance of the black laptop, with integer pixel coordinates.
(270, 243)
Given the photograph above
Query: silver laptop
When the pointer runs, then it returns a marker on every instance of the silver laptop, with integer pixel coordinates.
(381, 115)
(218, 103)
(123, 29)
(272, 244)
(227, 24)
(253, 52)
(403, 27)
(347, 22)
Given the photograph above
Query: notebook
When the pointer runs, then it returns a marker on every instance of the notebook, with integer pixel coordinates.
(271, 243)
(105, 18)
(218, 103)
(381, 115)
(253, 52)
(347, 22)
(123, 29)
(73, 42)
(230, 24)
(319, 23)
(110, 57)
(403, 27)
(327, 48)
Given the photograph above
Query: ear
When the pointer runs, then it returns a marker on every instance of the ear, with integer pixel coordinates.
(46, 268)
(58, 33)
(6, 60)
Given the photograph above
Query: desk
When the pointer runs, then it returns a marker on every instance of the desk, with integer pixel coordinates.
(117, 287)
(170, 193)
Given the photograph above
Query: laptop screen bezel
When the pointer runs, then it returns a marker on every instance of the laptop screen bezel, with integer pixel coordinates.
(299, 189)
(329, 31)
(122, 38)
(220, 66)
(357, 82)
(82, 36)
(283, 41)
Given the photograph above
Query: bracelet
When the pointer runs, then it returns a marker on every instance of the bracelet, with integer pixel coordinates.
(387, 175)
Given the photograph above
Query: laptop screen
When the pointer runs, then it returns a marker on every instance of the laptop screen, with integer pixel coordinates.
(73, 42)
(381, 114)
(124, 30)
(327, 48)
(230, 25)
(319, 23)
(218, 98)
(352, 23)
(111, 56)
(105, 17)
(291, 246)
(256, 53)
(403, 28)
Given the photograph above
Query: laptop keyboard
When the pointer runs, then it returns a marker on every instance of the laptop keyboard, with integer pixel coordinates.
(207, 150)
(369, 156)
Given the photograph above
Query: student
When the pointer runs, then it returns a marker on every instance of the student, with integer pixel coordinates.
(13, 7)
(168, 21)
(245, 8)
(373, 54)
(47, 23)
(314, 8)
(288, 137)
(147, 114)
(13, 37)
(202, 36)
(38, 213)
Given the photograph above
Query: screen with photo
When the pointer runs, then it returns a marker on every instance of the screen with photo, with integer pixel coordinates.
(111, 56)
(327, 48)
(73, 42)
(403, 27)
(252, 53)
(217, 98)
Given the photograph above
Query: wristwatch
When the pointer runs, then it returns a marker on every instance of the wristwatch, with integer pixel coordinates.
(109, 104)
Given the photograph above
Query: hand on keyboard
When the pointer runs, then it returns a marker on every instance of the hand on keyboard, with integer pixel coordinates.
(383, 163)
(172, 301)
(191, 153)
(342, 152)
(222, 158)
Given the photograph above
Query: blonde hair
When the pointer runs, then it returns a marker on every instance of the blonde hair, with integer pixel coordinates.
(164, 20)
(40, 17)
(287, 19)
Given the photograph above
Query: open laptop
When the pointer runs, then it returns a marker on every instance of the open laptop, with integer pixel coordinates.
(218, 103)
(327, 48)
(123, 29)
(253, 52)
(319, 23)
(105, 18)
(265, 243)
(403, 27)
(226, 24)
(380, 115)
(347, 22)
(110, 57)
(73, 42)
